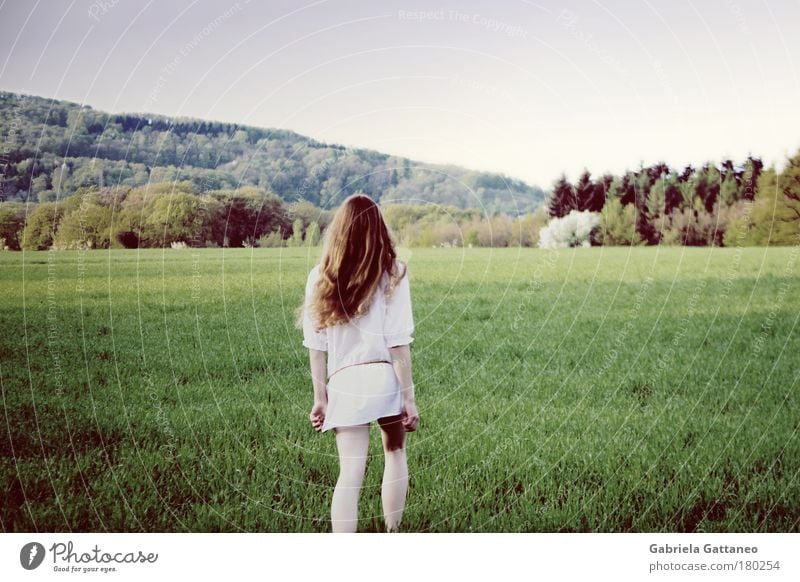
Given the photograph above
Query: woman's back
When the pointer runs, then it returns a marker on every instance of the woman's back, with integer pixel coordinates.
(387, 323)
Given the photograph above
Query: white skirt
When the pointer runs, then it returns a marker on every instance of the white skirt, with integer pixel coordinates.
(362, 393)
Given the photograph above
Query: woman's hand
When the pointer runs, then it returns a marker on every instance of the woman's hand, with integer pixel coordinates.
(410, 416)
(317, 415)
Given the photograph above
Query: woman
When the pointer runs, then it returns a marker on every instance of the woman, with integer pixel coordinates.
(357, 324)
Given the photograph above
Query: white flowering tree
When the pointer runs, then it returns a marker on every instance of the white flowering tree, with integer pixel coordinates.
(573, 230)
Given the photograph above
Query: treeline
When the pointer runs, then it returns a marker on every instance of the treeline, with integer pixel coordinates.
(723, 205)
(176, 215)
(728, 206)
(161, 215)
(52, 149)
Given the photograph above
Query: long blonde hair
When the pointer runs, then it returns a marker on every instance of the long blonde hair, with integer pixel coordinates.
(358, 250)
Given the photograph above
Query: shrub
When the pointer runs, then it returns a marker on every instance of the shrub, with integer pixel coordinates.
(573, 230)
(272, 240)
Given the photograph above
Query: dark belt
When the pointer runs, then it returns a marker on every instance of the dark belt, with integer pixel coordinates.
(359, 364)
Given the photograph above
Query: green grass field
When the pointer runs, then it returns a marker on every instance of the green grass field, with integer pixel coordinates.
(602, 389)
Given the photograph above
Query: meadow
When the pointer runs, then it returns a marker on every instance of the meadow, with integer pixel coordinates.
(600, 389)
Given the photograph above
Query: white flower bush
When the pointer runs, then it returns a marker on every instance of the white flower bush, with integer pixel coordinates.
(178, 244)
(573, 230)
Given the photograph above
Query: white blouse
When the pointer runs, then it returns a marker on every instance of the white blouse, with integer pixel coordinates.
(389, 322)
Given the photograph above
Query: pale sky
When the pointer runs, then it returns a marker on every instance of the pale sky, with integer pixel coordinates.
(529, 89)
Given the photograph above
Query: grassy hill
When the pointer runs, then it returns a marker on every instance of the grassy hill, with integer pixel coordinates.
(52, 148)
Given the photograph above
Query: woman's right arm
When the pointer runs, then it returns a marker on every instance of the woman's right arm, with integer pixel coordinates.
(401, 360)
(399, 330)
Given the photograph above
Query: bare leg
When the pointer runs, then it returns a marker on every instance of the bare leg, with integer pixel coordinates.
(353, 445)
(395, 472)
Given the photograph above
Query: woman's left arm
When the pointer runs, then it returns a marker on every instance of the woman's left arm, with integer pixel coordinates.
(318, 360)
(319, 370)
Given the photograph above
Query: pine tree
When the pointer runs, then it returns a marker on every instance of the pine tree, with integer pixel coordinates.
(708, 185)
(776, 209)
(729, 190)
(618, 224)
(641, 187)
(749, 178)
(562, 199)
(589, 196)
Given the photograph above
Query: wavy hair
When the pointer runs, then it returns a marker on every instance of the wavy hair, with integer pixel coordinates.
(357, 251)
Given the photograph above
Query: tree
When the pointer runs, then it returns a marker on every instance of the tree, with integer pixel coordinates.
(679, 228)
(60, 177)
(749, 178)
(39, 185)
(584, 191)
(296, 240)
(637, 186)
(708, 185)
(562, 198)
(736, 223)
(729, 190)
(41, 226)
(589, 196)
(656, 207)
(174, 218)
(12, 223)
(272, 240)
(496, 231)
(627, 189)
(776, 208)
(246, 215)
(90, 225)
(691, 227)
(312, 234)
(672, 193)
(687, 188)
(309, 213)
(618, 224)
(471, 237)
(46, 196)
(615, 189)
(526, 228)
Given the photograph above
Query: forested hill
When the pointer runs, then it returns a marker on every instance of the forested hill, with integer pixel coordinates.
(52, 148)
